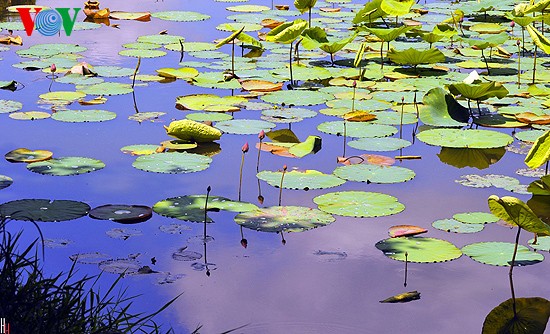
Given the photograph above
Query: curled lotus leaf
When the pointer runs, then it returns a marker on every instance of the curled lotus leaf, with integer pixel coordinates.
(121, 213)
(415, 57)
(66, 166)
(172, 163)
(517, 213)
(421, 250)
(480, 91)
(5, 181)
(284, 219)
(465, 138)
(540, 187)
(44, 210)
(518, 316)
(374, 174)
(178, 145)
(359, 204)
(405, 231)
(179, 73)
(500, 254)
(144, 149)
(305, 180)
(402, 297)
(539, 154)
(26, 155)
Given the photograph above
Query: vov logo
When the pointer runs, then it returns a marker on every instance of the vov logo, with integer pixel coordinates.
(48, 21)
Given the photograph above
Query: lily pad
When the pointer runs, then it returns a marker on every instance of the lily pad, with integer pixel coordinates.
(29, 115)
(7, 106)
(405, 231)
(518, 316)
(142, 53)
(82, 116)
(284, 219)
(357, 129)
(379, 144)
(305, 180)
(452, 225)
(543, 243)
(374, 174)
(180, 16)
(123, 233)
(124, 214)
(144, 149)
(421, 250)
(172, 163)
(26, 155)
(66, 166)
(465, 138)
(297, 97)
(209, 102)
(244, 126)
(359, 204)
(500, 254)
(62, 96)
(160, 39)
(107, 89)
(5, 181)
(120, 266)
(90, 258)
(476, 218)
(44, 210)
(113, 71)
(186, 255)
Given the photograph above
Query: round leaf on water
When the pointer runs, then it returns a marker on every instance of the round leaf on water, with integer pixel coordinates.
(29, 115)
(465, 138)
(191, 46)
(123, 233)
(146, 116)
(66, 166)
(160, 39)
(421, 250)
(44, 210)
(476, 218)
(244, 126)
(500, 254)
(296, 97)
(209, 116)
(357, 129)
(284, 219)
(359, 204)
(90, 258)
(180, 16)
(124, 214)
(247, 8)
(7, 106)
(529, 136)
(178, 145)
(405, 231)
(113, 71)
(186, 255)
(26, 155)
(120, 266)
(374, 174)
(81, 116)
(62, 96)
(172, 163)
(489, 180)
(141, 46)
(5, 181)
(530, 317)
(379, 144)
(142, 53)
(179, 73)
(209, 102)
(140, 149)
(452, 225)
(107, 89)
(543, 243)
(306, 180)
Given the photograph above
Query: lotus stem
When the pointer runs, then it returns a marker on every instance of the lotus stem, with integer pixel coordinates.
(354, 85)
(205, 211)
(244, 149)
(244, 242)
(546, 172)
(401, 119)
(470, 108)
(233, 58)
(406, 268)
(519, 63)
(136, 71)
(345, 128)
(281, 185)
(283, 241)
(290, 64)
(381, 55)
(309, 20)
(261, 136)
(485, 60)
(511, 271)
(534, 65)
(182, 49)
(260, 197)
(523, 41)
(478, 108)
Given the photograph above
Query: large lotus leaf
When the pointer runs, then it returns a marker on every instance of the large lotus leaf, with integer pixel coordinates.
(7, 106)
(142, 53)
(66, 166)
(374, 174)
(313, 37)
(452, 225)
(388, 34)
(415, 57)
(305, 180)
(113, 71)
(533, 7)
(26, 155)
(539, 154)
(78, 79)
(539, 39)
(441, 109)
(107, 89)
(421, 250)
(191, 131)
(191, 47)
(488, 28)
(479, 158)
(141, 46)
(5, 181)
(488, 41)
(208, 116)
(305, 73)
(465, 138)
(518, 316)
(500, 254)
(144, 149)
(489, 180)
(312, 144)
(369, 13)
(287, 115)
(244, 126)
(540, 187)
(379, 144)
(396, 7)
(476, 217)
(335, 46)
(180, 16)
(160, 39)
(124, 214)
(172, 163)
(359, 204)
(287, 32)
(191, 207)
(62, 96)
(284, 219)
(515, 212)
(44, 210)
(357, 129)
(209, 102)
(230, 38)
(80, 116)
(297, 97)
(479, 92)
(304, 5)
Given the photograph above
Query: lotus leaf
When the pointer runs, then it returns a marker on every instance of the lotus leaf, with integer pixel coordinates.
(174, 228)
(180, 73)
(140, 149)
(284, 219)
(79, 79)
(244, 126)
(415, 57)
(539, 39)
(479, 92)
(452, 225)
(287, 115)
(370, 12)
(160, 39)
(146, 116)
(312, 144)
(500, 254)
(296, 98)
(142, 53)
(476, 218)
(113, 71)
(80, 116)
(90, 258)
(191, 46)
(539, 154)
(123, 233)
(388, 34)
(441, 109)
(186, 255)
(179, 145)
(465, 138)
(107, 89)
(124, 214)
(123, 267)
(359, 204)
(142, 46)
(62, 96)
(7, 106)
(304, 180)
(172, 163)
(518, 316)
(29, 115)
(5, 181)
(489, 180)
(374, 174)
(231, 27)
(26, 155)
(515, 212)
(540, 187)
(498, 121)
(209, 102)
(529, 136)
(379, 144)
(421, 250)
(66, 166)
(57, 243)
(405, 231)
(396, 7)
(44, 210)
(357, 129)
(402, 297)
(180, 16)
(287, 32)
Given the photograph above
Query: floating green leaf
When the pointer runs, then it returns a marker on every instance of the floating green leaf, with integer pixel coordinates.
(500, 254)
(422, 250)
(107, 89)
(305, 180)
(26, 155)
(357, 129)
(172, 163)
(476, 218)
(244, 126)
(518, 316)
(180, 16)
(124, 214)
(7, 106)
(81, 116)
(296, 97)
(379, 144)
(374, 174)
(66, 166)
(44, 210)
(284, 219)
(452, 225)
(465, 138)
(359, 204)
(5, 181)
(415, 57)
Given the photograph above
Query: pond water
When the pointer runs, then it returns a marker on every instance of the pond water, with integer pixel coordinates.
(325, 280)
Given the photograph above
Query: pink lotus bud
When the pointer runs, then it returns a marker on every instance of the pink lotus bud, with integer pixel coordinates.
(53, 68)
(245, 147)
(518, 42)
(244, 243)
(512, 24)
(284, 167)
(261, 135)
(354, 84)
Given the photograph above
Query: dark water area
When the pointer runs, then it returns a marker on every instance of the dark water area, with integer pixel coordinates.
(326, 280)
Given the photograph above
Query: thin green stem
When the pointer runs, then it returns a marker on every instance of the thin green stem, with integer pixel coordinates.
(511, 271)
(534, 65)
(281, 185)
(241, 176)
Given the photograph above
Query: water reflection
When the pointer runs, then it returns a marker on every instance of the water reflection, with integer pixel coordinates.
(471, 157)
